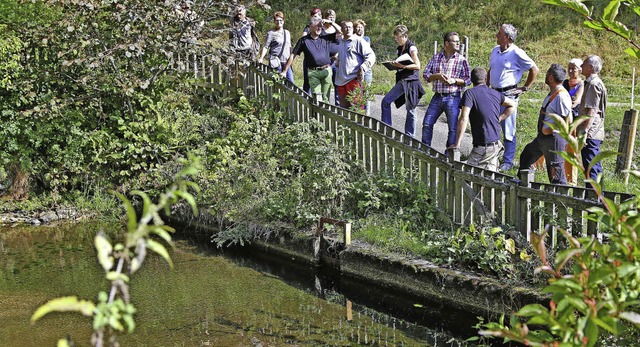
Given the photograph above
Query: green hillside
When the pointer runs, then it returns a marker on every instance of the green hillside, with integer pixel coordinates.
(549, 34)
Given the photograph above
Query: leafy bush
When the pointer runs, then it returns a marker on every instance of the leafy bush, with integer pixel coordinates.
(267, 172)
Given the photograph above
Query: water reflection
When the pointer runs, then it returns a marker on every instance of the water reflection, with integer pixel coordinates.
(209, 299)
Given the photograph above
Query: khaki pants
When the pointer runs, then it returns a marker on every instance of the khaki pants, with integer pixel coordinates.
(486, 157)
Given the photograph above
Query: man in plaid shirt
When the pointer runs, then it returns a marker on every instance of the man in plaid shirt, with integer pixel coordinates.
(449, 72)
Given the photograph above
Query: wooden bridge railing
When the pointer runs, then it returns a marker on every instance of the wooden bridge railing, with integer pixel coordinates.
(466, 193)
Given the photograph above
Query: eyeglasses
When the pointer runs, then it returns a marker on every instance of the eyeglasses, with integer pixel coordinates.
(279, 20)
(455, 41)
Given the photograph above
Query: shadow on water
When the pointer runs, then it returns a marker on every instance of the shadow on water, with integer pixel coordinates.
(212, 297)
(431, 322)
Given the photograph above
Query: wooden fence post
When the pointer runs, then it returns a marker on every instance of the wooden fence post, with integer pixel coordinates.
(523, 207)
(627, 142)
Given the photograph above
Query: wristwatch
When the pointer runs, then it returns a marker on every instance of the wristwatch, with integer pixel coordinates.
(524, 88)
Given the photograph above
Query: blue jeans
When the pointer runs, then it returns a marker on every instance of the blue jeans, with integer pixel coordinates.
(396, 92)
(589, 151)
(509, 130)
(289, 72)
(449, 104)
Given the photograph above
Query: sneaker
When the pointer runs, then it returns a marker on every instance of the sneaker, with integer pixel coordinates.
(506, 167)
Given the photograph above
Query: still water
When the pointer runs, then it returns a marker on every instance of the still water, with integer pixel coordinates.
(210, 298)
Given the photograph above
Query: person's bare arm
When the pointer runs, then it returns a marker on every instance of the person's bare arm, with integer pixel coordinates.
(577, 97)
(287, 65)
(509, 106)
(414, 66)
(531, 77)
(462, 126)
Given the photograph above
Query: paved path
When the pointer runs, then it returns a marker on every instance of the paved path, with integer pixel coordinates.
(440, 129)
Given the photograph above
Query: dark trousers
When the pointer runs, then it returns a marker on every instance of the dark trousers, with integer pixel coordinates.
(589, 151)
(547, 146)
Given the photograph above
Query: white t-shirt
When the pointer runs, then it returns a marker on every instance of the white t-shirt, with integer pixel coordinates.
(508, 67)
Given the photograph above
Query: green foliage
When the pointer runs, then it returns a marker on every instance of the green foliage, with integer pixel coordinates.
(98, 88)
(114, 312)
(600, 294)
(393, 193)
(487, 249)
(265, 172)
(10, 47)
(607, 21)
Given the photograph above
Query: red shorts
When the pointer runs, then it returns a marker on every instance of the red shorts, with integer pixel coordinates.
(347, 88)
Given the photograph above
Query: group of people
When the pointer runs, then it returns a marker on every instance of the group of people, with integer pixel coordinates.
(493, 100)
(341, 56)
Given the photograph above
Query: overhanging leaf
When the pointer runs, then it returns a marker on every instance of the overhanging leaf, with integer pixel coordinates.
(189, 198)
(599, 157)
(634, 52)
(114, 276)
(145, 199)
(611, 10)
(160, 231)
(104, 250)
(617, 28)
(593, 24)
(132, 219)
(141, 253)
(632, 317)
(160, 249)
(64, 304)
(575, 5)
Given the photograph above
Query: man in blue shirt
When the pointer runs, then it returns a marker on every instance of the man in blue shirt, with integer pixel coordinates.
(482, 105)
(317, 51)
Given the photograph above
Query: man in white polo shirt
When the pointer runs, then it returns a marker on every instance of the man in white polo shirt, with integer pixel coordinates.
(507, 64)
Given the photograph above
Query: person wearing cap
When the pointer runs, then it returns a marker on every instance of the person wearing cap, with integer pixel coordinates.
(242, 35)
(507, 64)
(317, 50)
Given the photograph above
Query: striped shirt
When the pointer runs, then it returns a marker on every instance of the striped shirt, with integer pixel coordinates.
(455, 67)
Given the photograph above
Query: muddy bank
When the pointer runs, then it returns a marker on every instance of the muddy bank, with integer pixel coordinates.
(43, 217)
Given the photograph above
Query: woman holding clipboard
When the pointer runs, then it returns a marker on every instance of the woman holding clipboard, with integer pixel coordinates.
(408, 89)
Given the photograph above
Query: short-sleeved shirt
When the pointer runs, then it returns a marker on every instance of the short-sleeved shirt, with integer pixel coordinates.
(508, 67)
(279, 41)
(456, 66)
(317, 52)
(560, 105)
(595, 97)
(484, 115)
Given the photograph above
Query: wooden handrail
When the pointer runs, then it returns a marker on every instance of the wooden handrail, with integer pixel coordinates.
(466, 193)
